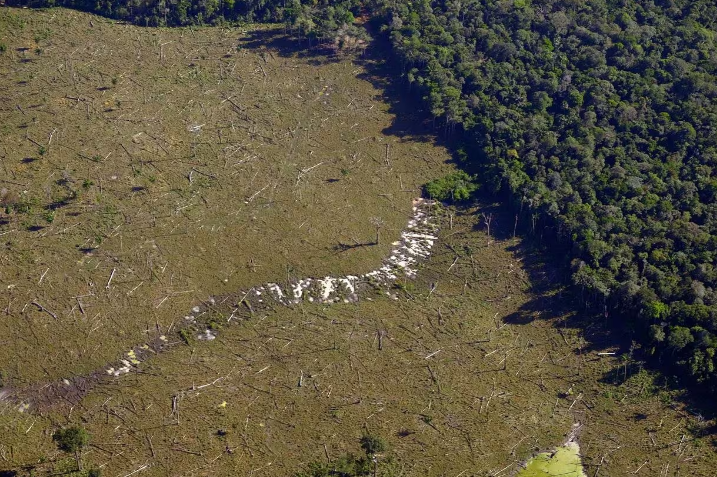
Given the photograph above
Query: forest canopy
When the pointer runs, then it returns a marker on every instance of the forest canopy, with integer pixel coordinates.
(596, 118)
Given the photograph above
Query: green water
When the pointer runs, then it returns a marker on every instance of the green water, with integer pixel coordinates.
(564, 462)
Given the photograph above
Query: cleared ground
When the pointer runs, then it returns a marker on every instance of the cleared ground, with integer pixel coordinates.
(459, 381)
(146, 169)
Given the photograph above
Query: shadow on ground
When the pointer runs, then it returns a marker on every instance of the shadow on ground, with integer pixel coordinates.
(411, 121)
(570, 308)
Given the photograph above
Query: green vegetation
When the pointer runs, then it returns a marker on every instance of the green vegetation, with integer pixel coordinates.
(564, 462)
(72, 440)
(596, 118)
(349, 465)
(372, 445)
(186, 336)
(455, 187)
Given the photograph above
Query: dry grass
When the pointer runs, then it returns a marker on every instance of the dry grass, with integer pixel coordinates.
(455, 383)
(96, 146)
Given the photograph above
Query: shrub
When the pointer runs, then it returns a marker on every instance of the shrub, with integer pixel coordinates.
(455, 187)
(186, 336)
(372, 444)
(72, 439)
(349, 465)
(345, 466)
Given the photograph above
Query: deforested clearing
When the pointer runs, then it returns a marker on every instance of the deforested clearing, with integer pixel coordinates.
(144, 170)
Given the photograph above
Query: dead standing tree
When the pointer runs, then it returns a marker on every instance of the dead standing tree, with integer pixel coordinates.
(487, 219)
(377, 222)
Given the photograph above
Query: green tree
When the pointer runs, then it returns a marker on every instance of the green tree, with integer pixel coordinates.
(456, 187)
(72, 440)
(679, 338)
(372, 445)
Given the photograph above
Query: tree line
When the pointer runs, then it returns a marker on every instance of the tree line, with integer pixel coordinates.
(596, 119)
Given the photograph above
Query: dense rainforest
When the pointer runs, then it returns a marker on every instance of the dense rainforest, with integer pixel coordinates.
(596, 119)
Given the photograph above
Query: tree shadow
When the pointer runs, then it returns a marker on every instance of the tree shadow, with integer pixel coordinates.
(275, 41)
(411, 121)
(568, 308)
(554, 299)
(60, 203)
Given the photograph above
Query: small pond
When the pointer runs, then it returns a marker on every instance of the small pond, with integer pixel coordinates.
(564, 462)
